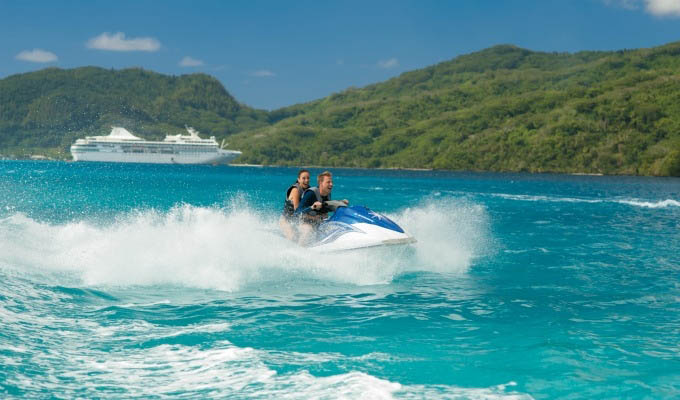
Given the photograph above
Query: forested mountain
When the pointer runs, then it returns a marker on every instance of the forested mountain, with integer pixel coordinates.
(49, 109)
(500, 109)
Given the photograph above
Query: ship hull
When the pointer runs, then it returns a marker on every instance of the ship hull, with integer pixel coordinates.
(155, 158)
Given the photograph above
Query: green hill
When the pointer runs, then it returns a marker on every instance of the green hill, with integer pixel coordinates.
(45, 111)
(500, 109)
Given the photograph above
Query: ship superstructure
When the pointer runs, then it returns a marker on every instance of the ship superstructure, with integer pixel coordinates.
(122, 146)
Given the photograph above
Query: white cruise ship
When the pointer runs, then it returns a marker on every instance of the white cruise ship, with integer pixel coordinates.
(122, 146)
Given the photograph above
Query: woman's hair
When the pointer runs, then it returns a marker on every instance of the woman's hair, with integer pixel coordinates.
(302, 171)
(321, 176)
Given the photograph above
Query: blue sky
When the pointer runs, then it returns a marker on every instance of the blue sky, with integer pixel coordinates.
(270, 54)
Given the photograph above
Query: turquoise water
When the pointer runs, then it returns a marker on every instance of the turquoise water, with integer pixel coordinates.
(141, 281)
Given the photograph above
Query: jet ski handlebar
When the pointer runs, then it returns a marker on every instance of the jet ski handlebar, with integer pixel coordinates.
(332, 205)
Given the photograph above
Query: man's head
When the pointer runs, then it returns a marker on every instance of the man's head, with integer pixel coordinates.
(325, 180)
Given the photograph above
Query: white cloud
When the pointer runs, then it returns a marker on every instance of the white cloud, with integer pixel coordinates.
(663, 8)
(262, 73)
(387, 64)
(118, 42)
(659, 8)
(37, 55)
(190, 62)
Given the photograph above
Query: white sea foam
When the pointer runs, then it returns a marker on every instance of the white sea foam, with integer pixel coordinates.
(226, 249)
(224, 371)
(652, 204)
(76, 363)
(631, 202)
(450, 233)
(526, 197)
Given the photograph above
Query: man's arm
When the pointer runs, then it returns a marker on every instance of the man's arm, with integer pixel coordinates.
(308, 201)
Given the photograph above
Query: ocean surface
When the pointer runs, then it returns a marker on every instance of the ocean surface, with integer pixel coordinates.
(160, 281)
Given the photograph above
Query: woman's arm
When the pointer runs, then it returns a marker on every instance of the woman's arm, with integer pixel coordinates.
(295, 197)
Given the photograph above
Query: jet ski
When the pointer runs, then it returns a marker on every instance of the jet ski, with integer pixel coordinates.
(357, 227)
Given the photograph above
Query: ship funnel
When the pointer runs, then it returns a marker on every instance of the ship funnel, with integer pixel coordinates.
(192, 131)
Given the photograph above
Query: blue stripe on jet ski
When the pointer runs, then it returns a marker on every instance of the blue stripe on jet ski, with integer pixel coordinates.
(355, 214)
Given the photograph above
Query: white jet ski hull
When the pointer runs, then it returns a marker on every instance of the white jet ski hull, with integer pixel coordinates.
(357, 227)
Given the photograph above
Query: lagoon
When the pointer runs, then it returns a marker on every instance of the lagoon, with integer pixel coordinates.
(142, 281)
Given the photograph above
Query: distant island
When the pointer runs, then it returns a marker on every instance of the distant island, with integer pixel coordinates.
(499, 109)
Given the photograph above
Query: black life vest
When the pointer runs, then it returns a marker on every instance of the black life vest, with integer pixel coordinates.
(288, 207)
(321, 199)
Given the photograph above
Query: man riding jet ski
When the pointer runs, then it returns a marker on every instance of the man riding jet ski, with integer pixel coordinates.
(357, 227)
(350, 227)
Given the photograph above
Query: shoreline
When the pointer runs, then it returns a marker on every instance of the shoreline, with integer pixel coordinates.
(42, 158)
(327, 167)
